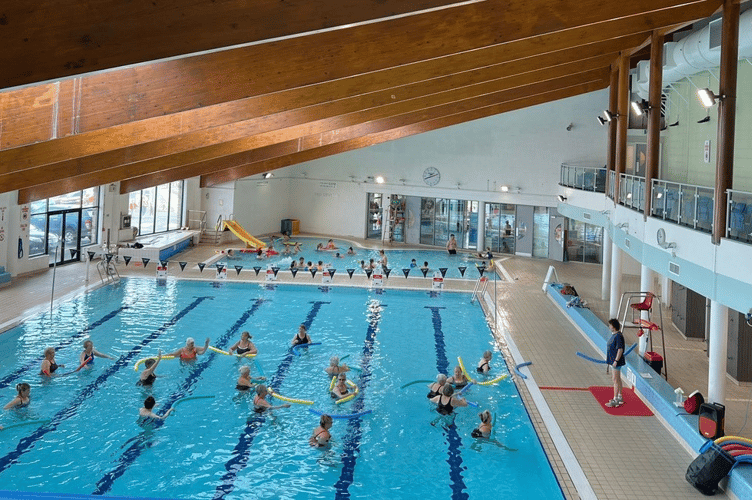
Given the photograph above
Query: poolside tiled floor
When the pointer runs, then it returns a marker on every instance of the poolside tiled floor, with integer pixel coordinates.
(622, 457)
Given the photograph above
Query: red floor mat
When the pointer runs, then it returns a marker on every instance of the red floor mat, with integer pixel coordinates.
(632, 407)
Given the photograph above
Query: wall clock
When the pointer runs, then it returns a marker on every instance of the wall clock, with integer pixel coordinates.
(431, 176)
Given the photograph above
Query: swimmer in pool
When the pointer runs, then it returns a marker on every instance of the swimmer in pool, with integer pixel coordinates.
(48, 363)
(146, 411)
(372, 264)
(330, 245)
(260, 404)
(190, 351)
(321, 436)
(148, 377)
(301, 337)
(287, 250)
(89, 352)
(484, 365)
(446, 401)
(320, 247)
(486, 255)
(436, 388)
(231, 255)
(350, 251)
(22, 398)
(335, 368)
(383, 259)
(244, 345)
(296, 249)
(425, 266)
(340, 389)
(413, 263)
(485, 427)
(458, 379)
(244, 382)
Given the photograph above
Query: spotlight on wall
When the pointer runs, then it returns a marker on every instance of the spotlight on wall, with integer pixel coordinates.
(379, 179)
(609, 115)
(641, 107)
(570, 127)
(704, 120)
(562, 198)
(708, 98)
(267, 175)
(505, 189)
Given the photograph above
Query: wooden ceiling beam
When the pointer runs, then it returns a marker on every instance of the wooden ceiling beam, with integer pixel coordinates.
(162, 157)
(49, 39)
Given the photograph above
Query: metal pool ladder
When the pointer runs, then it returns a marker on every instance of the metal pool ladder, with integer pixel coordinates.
(480, 286)
(108, 273)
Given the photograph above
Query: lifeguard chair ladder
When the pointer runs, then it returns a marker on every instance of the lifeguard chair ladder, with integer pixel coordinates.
(637, 302)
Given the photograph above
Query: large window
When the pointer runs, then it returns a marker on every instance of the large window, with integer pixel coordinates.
(61, 225)
(157, 209)
(500, 220)
(584, 242)
(373, 224)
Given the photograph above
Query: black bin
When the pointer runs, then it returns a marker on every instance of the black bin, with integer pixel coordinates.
(712, 465)
(286, 226)
(655, 361)
(712, 420)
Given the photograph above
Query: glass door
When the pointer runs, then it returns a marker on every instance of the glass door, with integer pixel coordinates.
(64, 235)
(373, 224)
(427, 208)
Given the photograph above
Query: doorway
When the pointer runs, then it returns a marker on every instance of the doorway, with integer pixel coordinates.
(64, 236)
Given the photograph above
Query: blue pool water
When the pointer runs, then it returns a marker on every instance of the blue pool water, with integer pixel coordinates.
(397, 259)
(218, 448)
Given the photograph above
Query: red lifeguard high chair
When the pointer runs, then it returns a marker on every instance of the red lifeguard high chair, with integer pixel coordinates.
(655, 360)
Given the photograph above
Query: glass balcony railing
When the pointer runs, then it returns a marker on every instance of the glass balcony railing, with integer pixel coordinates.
(612, 185)
(585, 178)
(739, 216)
(684, 204)
(632, 192)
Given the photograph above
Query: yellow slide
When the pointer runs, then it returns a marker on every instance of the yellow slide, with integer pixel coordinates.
(241, 233)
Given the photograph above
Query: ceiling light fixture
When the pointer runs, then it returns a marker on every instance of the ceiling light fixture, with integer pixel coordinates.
(380, 179)
(505, 189)
(268, 175)
(641, 107)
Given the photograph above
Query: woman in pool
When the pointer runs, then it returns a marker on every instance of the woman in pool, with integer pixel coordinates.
(321, 436)
(89, 352)
(48, 363)
(335, 368)
(244, 345)
(301, 337)
(148, 377)
(260, 404)
(340, 389)
(451, 245)
(435, 388)
(190, 351)
(22, 398)
(350, 251)
(147, 410)
(330, 245)
(446, 401)
(484, 429)
(244, 382)
(383, 259)
(484, 365)
(458, 379)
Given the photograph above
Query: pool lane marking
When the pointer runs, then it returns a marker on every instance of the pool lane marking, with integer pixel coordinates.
(145, 438)
(28, 442)
(242, 449)
(453, 438)
(6, 381)
(351, 442)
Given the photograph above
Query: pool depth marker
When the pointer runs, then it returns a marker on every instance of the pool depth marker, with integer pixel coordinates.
(242, 450)
(6, 381)
(122, 362)
(145, 438)
(453, 438)
(351, 441)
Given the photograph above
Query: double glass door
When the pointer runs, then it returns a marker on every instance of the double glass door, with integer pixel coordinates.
(63, 235)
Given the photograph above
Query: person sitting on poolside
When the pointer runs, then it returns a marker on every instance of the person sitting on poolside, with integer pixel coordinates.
(485, 427)
(435, 388)
(260, 404)
(413, 263)
(330, 245)
(458, 379)
(321, 436)
(147, 410)
(190, 351)
(22, 398)
(87, 356)
(148, 377)
(350, 251)
(335, 368)
(446, 401)
(244, 345)
(48, 363)
(301, 337)
(486, 255)
(244, 382)
(340, 389)
(484, 365)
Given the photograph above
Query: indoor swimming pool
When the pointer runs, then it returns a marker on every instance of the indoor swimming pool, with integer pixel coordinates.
(83, 436)
(464, 265)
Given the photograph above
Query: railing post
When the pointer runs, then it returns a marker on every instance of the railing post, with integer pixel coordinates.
(654, 116)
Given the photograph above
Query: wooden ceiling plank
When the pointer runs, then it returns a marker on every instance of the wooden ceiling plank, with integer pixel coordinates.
(116, 33)
(162, 156)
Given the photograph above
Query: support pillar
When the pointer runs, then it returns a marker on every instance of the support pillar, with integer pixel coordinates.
(606, 269)
(481, 243)
(646, 285)
(717, 355)
(615, 281)
(654, 119)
